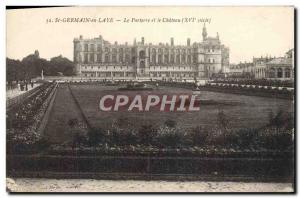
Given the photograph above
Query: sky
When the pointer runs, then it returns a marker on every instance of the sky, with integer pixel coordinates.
(248, 31)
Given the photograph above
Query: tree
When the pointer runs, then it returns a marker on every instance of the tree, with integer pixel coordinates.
(32, 65)
(63, 65)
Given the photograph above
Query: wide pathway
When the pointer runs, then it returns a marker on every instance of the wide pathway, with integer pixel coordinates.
(16, 92)
(91, 185)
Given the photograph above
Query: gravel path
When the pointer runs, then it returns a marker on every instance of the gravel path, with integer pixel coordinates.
(90, 185)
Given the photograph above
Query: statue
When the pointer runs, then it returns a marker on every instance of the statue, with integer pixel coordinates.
(42, 74)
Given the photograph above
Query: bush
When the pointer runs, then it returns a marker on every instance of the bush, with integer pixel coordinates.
(171, 137)
(199, 136)
(79, 139)
(146, 134)
(277, 141)
(122, 136)
(97, 136)
(170, 123)
(245, 138)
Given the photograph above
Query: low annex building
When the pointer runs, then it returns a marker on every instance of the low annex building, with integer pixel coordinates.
(98, 58)
(277, 68)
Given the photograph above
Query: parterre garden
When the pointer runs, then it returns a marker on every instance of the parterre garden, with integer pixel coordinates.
(225, 123)
(232, 134)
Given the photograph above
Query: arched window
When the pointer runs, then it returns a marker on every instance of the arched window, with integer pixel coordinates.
(133, 59)
(142, 54)
(279, 73)
(272, 73)
(142, 64)
(287, 73)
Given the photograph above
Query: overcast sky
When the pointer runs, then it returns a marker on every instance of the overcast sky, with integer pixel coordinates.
(247, 31)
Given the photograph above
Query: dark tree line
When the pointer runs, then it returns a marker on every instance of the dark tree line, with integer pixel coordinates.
(32, 65)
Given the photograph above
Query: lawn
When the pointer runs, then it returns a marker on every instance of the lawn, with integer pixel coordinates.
(241, 111)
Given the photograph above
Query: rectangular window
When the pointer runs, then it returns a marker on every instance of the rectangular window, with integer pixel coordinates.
(99, 57)
(92, 47)
(98, 47)
(86, 47)
(91, 58)
(85, 58)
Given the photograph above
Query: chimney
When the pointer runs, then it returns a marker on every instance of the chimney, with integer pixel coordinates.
(188, 42)
(143, 41)
(80, 37)
(172, 41)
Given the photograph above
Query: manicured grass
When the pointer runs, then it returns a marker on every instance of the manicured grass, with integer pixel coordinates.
(58, 129)
(244, 112)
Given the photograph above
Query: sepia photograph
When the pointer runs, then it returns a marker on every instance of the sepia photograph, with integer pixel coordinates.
(150, 99)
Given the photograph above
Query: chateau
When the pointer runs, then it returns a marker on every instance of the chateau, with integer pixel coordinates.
(98, 58)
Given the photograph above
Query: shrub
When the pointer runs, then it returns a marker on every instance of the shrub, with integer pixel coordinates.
(73, 122)
(246, 137)
(281, 120)
(78, 139)
(223, 121)
(171, 137)
(122, 136)
(146, 134)
(278, 141)
(199, 135)
(170, 123)
(97, 136)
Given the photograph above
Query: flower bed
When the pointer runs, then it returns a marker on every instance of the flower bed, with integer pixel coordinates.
(23, 121)
(169, 139)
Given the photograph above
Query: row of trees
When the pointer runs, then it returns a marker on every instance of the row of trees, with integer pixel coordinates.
(32, 65)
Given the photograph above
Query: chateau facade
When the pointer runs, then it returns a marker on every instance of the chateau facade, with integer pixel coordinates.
(98, 58)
